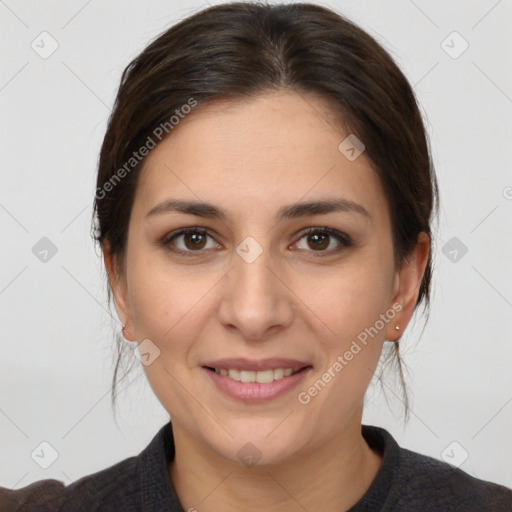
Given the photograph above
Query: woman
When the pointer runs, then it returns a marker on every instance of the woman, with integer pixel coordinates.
(263, 202)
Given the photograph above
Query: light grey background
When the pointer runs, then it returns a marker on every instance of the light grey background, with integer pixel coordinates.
(56, 336)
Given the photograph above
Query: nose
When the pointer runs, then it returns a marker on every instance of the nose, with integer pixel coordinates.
(256, 299)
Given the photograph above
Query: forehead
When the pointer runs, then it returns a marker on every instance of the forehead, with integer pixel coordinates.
(273, 149)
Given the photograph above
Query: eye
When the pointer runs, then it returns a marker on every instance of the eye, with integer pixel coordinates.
(320, 239)
(192, 240)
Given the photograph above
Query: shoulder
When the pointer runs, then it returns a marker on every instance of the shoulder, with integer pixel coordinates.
(92, 492)
(137, 483)
(429, 479)
(411, 481)
(38, 496)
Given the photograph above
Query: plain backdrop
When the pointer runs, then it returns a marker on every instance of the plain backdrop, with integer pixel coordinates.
(56, 332)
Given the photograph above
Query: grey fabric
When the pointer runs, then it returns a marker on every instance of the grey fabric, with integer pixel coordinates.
(407, 481)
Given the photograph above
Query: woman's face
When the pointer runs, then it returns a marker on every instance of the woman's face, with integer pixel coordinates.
(257, 289)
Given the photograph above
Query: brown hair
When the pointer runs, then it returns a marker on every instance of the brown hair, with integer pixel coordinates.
(242, 49)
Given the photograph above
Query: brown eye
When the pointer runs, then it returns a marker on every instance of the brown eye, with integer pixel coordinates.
(188, 241)
(319, 239)
(194, 241)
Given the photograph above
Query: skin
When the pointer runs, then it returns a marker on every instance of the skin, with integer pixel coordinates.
(251, 158)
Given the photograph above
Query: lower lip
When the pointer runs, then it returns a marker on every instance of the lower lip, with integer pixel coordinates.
(253, 392)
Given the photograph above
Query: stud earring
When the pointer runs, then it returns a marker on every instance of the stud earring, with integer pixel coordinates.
(397, 327)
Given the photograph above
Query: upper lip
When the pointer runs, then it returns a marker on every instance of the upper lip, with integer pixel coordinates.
(256, 365)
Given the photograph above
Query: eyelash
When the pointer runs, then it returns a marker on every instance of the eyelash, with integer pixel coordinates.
(344, 240)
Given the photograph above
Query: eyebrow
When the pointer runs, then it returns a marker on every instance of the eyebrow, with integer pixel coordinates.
(292, 211)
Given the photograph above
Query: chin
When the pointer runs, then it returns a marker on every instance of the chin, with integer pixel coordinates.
(257, 442)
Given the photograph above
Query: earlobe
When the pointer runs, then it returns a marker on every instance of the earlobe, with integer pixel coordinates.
(407, 286)
(117, 283)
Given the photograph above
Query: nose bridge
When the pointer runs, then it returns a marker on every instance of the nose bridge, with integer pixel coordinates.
(255, 299)
(252, 269)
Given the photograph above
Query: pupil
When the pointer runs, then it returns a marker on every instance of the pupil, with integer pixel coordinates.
(315, 238)
(196, 240)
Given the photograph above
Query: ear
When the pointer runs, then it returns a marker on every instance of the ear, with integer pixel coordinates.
(118, 285)
(407, 286)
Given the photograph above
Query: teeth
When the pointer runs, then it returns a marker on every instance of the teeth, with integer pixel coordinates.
(263, 377)
(247, 376)
(278, 373)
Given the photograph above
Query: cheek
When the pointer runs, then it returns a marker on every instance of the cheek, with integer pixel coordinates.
(167, 303)
(341, 302)
(169, 308)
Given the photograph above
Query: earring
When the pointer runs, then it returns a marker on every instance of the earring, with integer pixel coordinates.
(397, 327)
(123, 330)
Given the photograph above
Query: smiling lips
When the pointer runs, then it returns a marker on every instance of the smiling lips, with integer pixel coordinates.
(262, 371)
(252, 380)
(261, 376)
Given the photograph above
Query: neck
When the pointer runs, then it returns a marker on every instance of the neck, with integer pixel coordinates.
(330, 477)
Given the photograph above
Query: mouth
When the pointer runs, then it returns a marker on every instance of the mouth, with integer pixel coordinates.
(256, 381)
(260, 376)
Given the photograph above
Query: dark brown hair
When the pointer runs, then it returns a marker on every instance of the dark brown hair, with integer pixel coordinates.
(242, 49)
